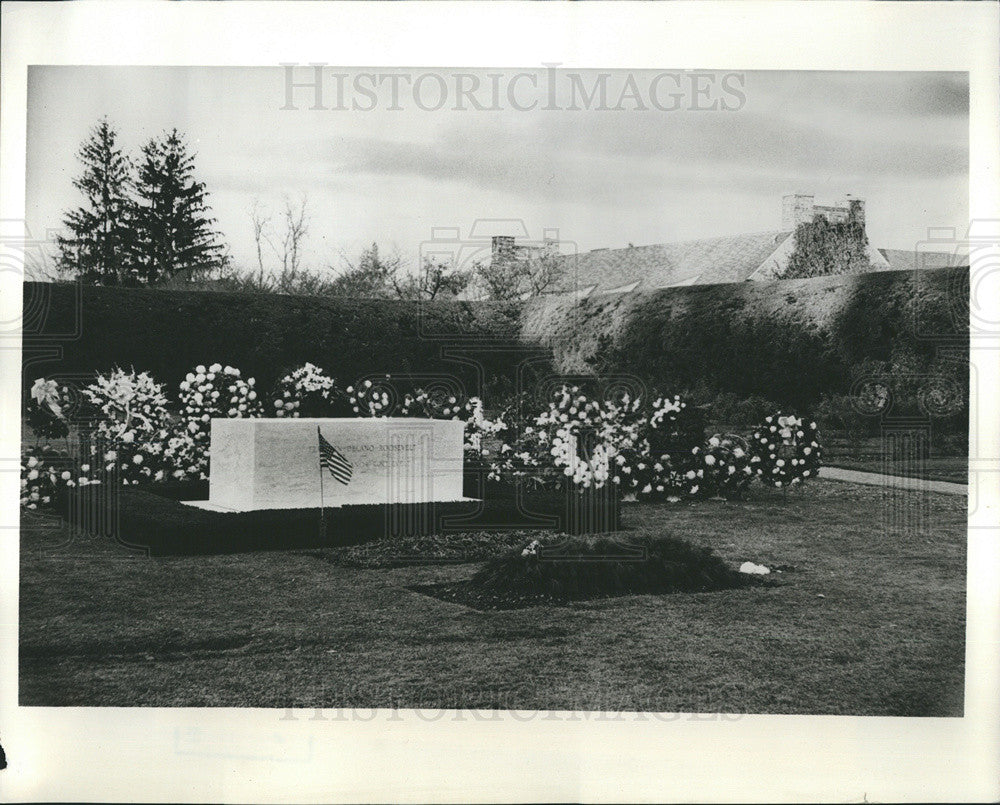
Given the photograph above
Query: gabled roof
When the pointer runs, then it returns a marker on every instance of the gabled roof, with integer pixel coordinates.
(711, 260)
(908, 260)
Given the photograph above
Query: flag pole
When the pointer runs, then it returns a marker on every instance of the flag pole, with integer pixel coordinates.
(322, 505)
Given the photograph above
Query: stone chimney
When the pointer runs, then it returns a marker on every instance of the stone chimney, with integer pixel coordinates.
(503, 247)
(855, 206)
(796, 208)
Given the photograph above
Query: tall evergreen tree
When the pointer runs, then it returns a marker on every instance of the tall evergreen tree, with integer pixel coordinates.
(99, 246)
(174, 224)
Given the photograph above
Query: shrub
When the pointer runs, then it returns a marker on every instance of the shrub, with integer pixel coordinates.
(730, 411)
(591, 567)
(842, 412)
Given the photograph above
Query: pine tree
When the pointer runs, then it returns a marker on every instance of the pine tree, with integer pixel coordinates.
(174, 224)
(99, 248)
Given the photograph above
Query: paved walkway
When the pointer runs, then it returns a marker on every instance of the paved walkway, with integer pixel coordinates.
(898, 481)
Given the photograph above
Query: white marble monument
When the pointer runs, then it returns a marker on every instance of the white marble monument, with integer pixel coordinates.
(275, 463)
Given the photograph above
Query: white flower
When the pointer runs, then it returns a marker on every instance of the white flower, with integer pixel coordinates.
(65, 475)
(32, 461)
(806, 450)
(710, 460)
(690, 475)
(32, 475)
(215, 367)
(780, 462)
(714, 441)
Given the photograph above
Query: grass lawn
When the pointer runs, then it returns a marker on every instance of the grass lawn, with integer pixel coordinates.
(868, 619)
(869, 455)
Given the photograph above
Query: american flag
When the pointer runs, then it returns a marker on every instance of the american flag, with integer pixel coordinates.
(331, 458)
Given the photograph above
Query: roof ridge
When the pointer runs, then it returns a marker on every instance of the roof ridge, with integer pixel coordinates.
(688, 241)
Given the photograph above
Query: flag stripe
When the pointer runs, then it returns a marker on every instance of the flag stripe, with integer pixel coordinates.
(335, 461)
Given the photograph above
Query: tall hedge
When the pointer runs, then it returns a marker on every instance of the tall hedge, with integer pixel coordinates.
(168, 332)
(790, 341)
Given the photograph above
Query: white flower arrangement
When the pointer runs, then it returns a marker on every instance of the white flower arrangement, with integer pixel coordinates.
(307, 391)
(218, 391)
(126, 440)
(589, 443)
(725, 462)
(787, 450)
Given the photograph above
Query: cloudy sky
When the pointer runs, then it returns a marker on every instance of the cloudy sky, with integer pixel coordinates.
(677, 157)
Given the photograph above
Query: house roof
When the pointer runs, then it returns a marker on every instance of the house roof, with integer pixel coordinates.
(711, 260)
(908, 260)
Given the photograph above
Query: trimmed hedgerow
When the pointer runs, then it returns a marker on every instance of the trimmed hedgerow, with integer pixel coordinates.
(790, 341)
(166, 332)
